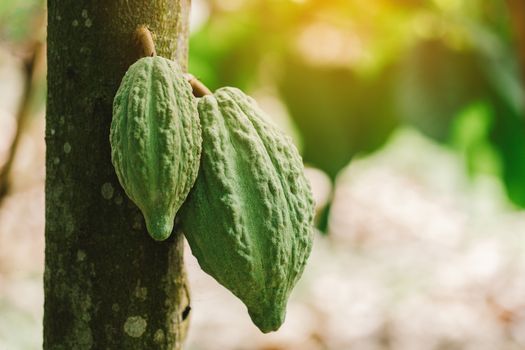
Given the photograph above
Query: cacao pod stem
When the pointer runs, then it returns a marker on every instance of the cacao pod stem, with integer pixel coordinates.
(199, 89)
(144, 42)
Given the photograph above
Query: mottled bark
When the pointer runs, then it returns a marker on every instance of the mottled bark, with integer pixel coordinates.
(108, 285)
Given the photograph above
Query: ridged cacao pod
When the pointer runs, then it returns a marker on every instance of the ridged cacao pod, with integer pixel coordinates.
(156, 140)
(248, 219)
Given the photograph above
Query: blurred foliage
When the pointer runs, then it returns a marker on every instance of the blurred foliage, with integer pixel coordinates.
(350, 72)
(470, 135)
(18, 17)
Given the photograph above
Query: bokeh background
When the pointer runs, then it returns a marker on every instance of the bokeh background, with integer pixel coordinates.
(410, 118)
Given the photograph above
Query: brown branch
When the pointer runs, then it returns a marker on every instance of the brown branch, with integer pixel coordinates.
(517, 14)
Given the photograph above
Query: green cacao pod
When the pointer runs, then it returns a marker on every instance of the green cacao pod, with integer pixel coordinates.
(156, 140)
(248, 219)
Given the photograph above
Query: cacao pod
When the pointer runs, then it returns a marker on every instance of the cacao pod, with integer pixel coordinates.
(156, 140)
(248, 219)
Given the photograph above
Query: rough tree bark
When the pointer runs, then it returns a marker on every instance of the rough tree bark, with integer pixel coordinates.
(107, 284)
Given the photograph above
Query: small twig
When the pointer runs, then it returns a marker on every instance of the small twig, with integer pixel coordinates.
(517, 15)
(144, 41)
(199, 89)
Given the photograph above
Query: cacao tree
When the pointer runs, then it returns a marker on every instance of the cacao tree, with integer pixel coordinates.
(108, 285)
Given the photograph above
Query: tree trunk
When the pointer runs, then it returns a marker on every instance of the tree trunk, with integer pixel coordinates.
(108, 285)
